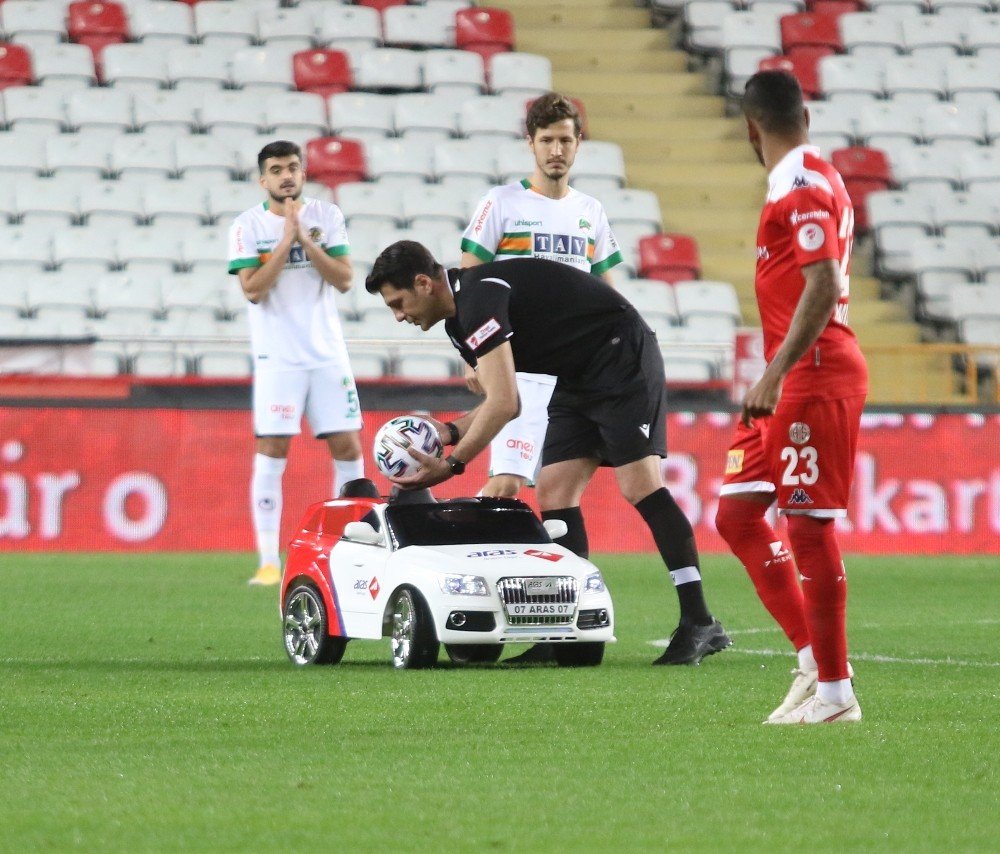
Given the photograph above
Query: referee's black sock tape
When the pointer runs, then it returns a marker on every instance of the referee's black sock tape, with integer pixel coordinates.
(576, 537)
(674, 538)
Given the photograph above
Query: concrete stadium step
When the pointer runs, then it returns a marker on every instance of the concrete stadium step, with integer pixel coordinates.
(653, 130)
(577, 16)
(684, 153)
(519, 6)
(666, 108)
(593, 40)
(662, 61)
(583, 83)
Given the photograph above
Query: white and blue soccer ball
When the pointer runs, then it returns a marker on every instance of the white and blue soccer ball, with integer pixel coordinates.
(394, 440)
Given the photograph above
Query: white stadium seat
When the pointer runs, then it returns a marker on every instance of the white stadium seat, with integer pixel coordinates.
(979, 168)
(493, 116)
(367, 112)
(294, 113)
(48, 203)
(161, 22)
(198, 68)
(418, 26)
(389, 69)
(970, 81)
(166, 111)
(66, 66)
(242, 111)
(120, 293)
(871, 36)
(603, 160)
(629, 206)
(111, 204)
(427, 116)
(295, 27)
(952, 125)
(928, 165)
(514, 160)
(461, 158)
(372, 204)
(436, 203)
(263, 69)
(932, 36)
(221, 24)
(105, 109)
(458, 72)
(25, 106)
(179, 202)
(84, 251)
(228, 199)
(842, 76)
(879, 121)
(136, 66)
(202, 157)
(340, 25)
(523, 74)
(915, 78)
(145, 154)
(77, 153)
(33, 21)
(401, 160)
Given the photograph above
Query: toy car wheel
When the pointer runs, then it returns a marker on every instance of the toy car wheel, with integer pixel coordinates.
(414, 641)
(306, 628)
(578, 654)
(474, 653)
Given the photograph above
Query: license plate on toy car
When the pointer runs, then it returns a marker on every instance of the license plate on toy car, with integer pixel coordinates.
(541, 586)
(539, 609)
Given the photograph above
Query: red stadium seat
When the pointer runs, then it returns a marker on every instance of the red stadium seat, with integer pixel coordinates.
(810, 29)
(15, 65)
(864, 170)
(333, 160)
(669, 257)
(97, 25)
(484, 30)
(381, 5)
(803, 64)
(322, 70)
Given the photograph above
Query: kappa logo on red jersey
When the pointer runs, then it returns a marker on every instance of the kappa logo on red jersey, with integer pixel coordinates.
(543, 555)
(483, 333)
(799, 496)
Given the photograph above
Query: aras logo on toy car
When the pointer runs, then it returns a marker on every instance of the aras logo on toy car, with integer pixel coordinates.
(543, 555)
(373, 587)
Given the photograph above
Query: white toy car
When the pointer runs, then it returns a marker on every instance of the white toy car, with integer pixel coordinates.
(475, 574)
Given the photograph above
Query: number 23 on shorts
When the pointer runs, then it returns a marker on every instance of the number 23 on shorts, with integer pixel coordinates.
(801, 465)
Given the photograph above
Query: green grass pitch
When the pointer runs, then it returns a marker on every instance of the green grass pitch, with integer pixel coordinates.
(146, 704)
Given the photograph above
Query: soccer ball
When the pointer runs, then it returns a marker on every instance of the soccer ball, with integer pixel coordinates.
(394, 439)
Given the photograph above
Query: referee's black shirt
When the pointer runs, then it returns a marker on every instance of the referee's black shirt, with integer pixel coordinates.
(554, 316)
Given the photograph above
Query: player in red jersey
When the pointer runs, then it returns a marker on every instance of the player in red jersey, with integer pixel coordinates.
(797, 437)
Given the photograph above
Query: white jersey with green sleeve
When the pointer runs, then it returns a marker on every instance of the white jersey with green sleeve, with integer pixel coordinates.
(514, 221)
(297, 324)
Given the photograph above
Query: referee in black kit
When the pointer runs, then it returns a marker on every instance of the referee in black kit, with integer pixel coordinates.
(608, 407)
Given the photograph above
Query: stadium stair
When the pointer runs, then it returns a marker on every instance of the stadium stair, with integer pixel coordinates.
(678, 142)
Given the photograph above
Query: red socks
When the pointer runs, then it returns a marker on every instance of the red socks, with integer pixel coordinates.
(824, 584)
(767, 562)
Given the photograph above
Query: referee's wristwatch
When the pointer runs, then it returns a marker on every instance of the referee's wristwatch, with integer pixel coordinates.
(456, 465)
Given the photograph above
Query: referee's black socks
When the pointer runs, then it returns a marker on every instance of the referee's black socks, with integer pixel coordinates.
(576, 537)
(674, 538)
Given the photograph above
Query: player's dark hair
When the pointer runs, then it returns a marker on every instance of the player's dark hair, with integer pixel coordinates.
(278, 148)
(399, 264)
(773, 99)
(550, 108)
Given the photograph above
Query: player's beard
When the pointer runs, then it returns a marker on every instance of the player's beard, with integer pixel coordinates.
(286, 196)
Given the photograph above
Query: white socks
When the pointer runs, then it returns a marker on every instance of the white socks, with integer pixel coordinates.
(806, 660)
(265, 501)
(840, 692)
(344, 471)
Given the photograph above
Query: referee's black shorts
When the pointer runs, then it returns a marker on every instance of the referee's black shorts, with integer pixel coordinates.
(615, 411)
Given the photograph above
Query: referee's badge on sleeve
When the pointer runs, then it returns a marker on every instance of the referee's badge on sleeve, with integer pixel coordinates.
(488, 329)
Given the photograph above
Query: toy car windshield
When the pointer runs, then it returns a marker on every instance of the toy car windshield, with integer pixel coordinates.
(462, 521)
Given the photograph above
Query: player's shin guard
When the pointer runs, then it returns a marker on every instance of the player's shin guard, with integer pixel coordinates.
(265, 496)
(575, 538)
(824, 585)
(674, 538)
(768, 563)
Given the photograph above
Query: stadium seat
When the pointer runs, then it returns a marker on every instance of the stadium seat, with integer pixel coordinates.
(713, 301)
(900, 221)
(186, 291)
(334, 160)
(19, 152)
(654, 299)
(29, 20)
(228, 199)
(970, 81)
(84, 251)
(201, 249)
(601, 163)
(981, 35)
(263, 69)
(15, 66)
(979, 168)
(958, 214)
(121, 293)
(35, 107)
(802, 64)
(484, 30)
(914, 78)
(747, 37)
(294, 114)
(457, 72)
(865, 171)
(242, 111)
(137, 66)
(427, 116)
(669, 257)
(77, 154)
(370, 205)
(46, 203)
(881, 121)
(96, 24)
(389, 69)
(224, 25)
(526, 74)
(323, 71)
(55, 290)
(340, 25)
(426, 366)
(633, 207)
(365, 114)
(196, 68)
(810, 30)
(166, 112)
(380, 5)
(436, 204)
(66, 66)
(143, 155)
(832, 125)
(111, 204)
(851, 76)
(25, 250)
(871, 36)
(170, 203)
(927, 165)
(494, 116)
(462, 158)
(223, 365)
(932, 36)
(293, 28)
(161, 22)
(107, 110)
(418, 26)
(684, 362)
(202, 158)
(947, 124)
(400, 161)
(897, 8)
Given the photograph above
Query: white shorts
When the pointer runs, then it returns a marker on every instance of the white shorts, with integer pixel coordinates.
(325, 395)
(517, 449)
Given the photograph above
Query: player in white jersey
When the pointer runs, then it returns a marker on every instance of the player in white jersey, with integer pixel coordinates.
(541, 217)
(290, 253)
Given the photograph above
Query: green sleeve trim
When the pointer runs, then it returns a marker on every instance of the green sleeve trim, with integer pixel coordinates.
(609, 262)
(335, 251)
(243, 263)
(477, 250)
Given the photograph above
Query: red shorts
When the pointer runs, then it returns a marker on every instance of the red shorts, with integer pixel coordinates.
(804, 452)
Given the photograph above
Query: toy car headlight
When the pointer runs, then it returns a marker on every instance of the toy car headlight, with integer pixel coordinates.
(594, 583)
(463, 585)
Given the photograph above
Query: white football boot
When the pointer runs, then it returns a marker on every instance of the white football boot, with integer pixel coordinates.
(803, 687)
(815, 710)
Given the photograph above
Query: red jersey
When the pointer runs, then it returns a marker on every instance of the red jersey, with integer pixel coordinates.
(807, 218)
